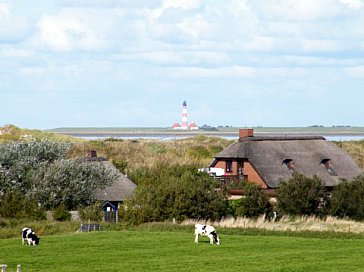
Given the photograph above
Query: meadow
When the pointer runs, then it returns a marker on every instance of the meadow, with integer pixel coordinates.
(146, 250)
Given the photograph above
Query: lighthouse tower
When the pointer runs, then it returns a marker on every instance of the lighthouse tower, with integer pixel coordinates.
(184, 116)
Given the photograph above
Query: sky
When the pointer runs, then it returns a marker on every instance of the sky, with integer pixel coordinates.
(123, 63)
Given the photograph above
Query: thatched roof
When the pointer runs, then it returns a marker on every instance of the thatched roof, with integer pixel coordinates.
(121, 189)
(267, 155)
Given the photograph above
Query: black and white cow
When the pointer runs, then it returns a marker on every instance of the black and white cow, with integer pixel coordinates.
(206, 230)
(29, 237)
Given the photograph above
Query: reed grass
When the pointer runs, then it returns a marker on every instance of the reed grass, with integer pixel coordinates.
(286, 223)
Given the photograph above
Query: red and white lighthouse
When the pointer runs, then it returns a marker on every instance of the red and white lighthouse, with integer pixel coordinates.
(185, 124)
(184, 116)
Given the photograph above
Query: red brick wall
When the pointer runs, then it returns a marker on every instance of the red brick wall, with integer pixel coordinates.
(253, 176)
(249, 171)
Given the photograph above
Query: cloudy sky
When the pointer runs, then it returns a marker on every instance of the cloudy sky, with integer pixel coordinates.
(123, 63)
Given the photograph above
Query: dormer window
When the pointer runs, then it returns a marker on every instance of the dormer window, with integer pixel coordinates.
(290, 165)
(326, 163)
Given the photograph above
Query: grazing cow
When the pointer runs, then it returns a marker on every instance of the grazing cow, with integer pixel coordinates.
(206, 230)
(29, 237)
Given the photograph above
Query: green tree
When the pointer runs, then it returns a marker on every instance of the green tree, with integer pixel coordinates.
(254, 202)
(70, 183)
(302, 195)
(178, 192)
(347, 199)
(14, 204)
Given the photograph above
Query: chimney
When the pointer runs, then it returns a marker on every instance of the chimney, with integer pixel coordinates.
(91, 154)
(246, 132)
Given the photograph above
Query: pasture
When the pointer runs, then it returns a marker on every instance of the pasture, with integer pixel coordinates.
(143, 250)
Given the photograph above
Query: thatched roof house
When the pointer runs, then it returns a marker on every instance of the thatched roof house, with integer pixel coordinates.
(268, 160)
(116, 193)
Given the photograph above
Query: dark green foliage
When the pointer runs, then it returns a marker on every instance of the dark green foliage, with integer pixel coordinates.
(254, 202)
(61, 214)
(92, 212)
(178, 192)
(15, 205)
(347, 199)
(302, 195)
(71, 183)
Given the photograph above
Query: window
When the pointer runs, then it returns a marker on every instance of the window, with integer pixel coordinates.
(326, 163)
(229, 166)
(290, 165)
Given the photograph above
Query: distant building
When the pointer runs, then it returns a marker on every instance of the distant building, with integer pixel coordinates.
(176, 126)
(192, 126)
(185, 124)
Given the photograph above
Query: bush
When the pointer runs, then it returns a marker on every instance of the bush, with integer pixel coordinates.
(301, 195)
(347, 199)
(70, 183)
(254, 202)
(92, 212)
(178, 192)
(17, 206)
(61, 214)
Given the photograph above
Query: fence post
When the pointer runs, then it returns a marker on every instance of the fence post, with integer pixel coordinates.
(18, 268)
(3, 267)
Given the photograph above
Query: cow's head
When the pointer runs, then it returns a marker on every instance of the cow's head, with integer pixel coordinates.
(36, 241)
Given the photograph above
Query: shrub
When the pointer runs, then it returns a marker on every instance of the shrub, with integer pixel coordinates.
(92, 212)
(61, 214)
(17, 206)
(178, 192)
(70, 183)
(347, 199)
(254, 202)
(302, 195)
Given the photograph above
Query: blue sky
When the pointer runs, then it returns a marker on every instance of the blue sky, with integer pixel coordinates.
(122, 63)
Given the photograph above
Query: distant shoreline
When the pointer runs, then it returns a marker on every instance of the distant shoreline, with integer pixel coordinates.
(162, 133)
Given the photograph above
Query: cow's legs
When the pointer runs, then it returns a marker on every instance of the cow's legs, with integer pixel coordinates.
(211, 239)
(196, 238)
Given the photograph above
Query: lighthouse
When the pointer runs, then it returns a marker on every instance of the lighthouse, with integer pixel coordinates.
(185, 124)
(184, 116)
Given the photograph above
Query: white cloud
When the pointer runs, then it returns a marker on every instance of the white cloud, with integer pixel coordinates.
(356, 72)
(32, 71)
(353, 4)
(292, 10)
(185, 4)
(12, 28)
(223, 72)
(73, 30)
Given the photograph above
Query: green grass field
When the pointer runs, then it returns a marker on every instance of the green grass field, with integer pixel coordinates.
(175, 251)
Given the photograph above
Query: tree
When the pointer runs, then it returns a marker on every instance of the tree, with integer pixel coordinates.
(178, 192)
(302, 195)
(254, 202)
(15, 205)
(17, 159)
(70, 183)
(347, 199)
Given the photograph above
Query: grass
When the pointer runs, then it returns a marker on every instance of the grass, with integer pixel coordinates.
(143, 250)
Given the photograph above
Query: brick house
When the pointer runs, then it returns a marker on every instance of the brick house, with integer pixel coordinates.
(266, 160)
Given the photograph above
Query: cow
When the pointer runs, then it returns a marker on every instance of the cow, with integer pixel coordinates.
(206, 230)
(29, 237)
